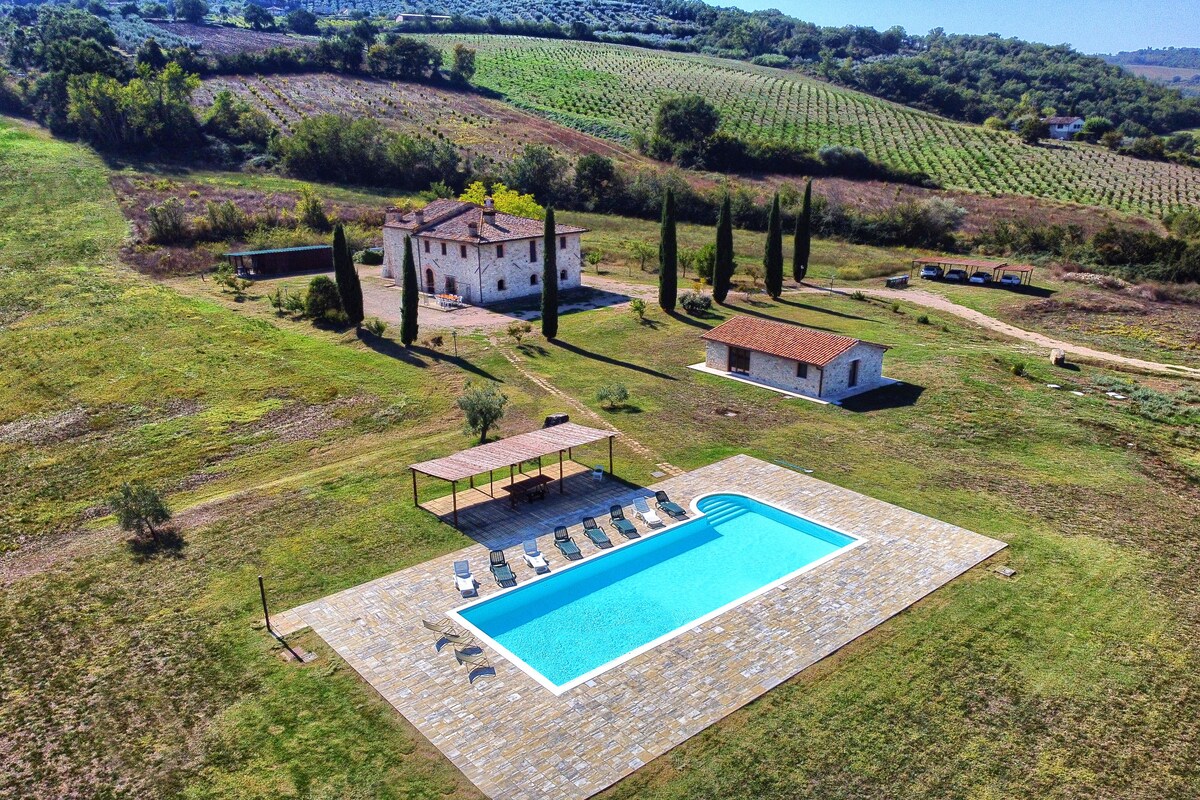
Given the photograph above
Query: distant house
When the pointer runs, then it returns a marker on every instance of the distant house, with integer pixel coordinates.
(818, 364)
(1064, 127)
(476, 253)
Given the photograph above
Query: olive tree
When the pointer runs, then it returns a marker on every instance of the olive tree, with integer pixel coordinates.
(483, 407)
(138, 508)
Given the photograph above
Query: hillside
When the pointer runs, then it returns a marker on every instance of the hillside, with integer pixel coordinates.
(614, 91)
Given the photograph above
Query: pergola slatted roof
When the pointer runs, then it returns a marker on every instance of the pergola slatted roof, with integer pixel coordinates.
(511, 451)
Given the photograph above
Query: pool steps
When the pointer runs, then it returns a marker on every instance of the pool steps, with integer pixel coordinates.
(719, 511)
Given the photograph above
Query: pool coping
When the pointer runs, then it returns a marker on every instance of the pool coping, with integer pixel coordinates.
(560, 689)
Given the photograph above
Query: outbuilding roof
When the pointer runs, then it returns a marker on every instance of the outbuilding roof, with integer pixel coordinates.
(453, 220)
(1062, 120)
(783, 339)
(279, 250)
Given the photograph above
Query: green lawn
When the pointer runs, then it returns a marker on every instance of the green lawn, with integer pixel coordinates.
(133, 675)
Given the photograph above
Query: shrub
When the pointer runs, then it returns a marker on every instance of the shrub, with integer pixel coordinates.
(895, 308)
(225, 220)
(706, 262)
(612, 396)
(858, 295)
(695, 303)
(375, 326)
(293, 303)
(923, 319)
(322, 298)
(167, 224)
(369, 258)
(1018, 369)
(226, 278)
(638, 306)
(518, 330)
(310, 211)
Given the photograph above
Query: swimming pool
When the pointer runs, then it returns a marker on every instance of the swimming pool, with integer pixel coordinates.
(569, 626)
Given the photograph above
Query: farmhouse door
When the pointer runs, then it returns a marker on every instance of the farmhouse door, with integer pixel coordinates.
(739, 360)
(451, 285)
(430, 288)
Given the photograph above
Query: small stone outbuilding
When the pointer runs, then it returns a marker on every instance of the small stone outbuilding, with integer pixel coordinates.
(476, 253)
(826, 366)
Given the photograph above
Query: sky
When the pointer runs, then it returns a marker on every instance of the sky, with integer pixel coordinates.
(1092, 26)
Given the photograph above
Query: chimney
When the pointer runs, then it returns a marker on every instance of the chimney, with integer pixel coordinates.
(393, 214)
(489, 207)
(419, 216)
(473, 229)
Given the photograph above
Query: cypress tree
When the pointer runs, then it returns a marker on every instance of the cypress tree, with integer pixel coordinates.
(723, 269)
(802, 245)
(773, 256)
(668, 256)
(549, 278)
(408, 297)
(349, 287)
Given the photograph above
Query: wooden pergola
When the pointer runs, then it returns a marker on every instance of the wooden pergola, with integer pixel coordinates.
(972, 265)
(511, 453)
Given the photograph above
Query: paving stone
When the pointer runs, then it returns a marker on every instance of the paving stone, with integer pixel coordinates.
(514, 739)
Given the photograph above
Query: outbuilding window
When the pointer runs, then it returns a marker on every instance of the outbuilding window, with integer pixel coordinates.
(443, 248)
(852, 381)
(426, 245)
(462, 250)
(533, 250)
(501, 285)
(802, 370)
(562, 243)
(533, 279)
(499, 251)
(562, 274)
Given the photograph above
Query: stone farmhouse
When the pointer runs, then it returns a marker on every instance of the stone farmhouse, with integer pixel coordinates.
(476, 253)
(817, 364)
(1064, 127)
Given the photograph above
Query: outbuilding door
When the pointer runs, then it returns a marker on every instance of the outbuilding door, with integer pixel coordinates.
(739, 360)
(430, 288)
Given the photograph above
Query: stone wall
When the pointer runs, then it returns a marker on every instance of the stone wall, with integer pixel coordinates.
(484, 276)
(870, 371)
(781, 372)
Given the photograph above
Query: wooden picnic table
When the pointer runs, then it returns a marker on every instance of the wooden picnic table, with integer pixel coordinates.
(524, 487)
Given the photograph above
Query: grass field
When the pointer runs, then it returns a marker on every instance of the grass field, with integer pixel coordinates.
(614, 91)
(131, 674)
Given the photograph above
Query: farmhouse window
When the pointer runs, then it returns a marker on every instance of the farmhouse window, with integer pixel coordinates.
(802, 370)
(562, 243)
(533, 279)
(501, 285)
(499, 251)
(426, 245)
(533, 251)
(853, 379)
(443, 248)
(562, 274)
(462, 251)
(739, 360)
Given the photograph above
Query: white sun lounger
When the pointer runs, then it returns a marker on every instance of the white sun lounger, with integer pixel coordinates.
(463, 580)
(645, 513)
(534, 557)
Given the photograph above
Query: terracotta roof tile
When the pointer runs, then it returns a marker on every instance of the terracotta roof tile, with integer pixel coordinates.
(782, 339)
(451, 220)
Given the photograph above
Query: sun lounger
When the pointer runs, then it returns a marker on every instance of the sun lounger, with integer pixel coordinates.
(442, 626)
(533, 557)
(501, 571)
(474, 659)
(593, 532)
(665, 504)
(459, 638)
(463, 580)
(565, 545)
(642, 508)
(623, 526)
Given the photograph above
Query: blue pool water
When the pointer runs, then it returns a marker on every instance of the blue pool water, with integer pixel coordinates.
(577, 620)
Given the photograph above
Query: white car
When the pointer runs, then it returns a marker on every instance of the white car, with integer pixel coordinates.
(1010, 280)
(980, 278)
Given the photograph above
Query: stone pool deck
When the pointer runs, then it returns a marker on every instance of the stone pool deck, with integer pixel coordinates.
(514, 739)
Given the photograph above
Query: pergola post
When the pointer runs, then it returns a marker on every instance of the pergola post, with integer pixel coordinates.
(560, 473)
(454, 500)
(511, 479)
(491, 484)
(414, 474)
(610, 469)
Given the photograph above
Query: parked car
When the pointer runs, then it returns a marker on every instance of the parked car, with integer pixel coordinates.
(930, 271)
(1010, 280)
(980, 278)
(958, 275)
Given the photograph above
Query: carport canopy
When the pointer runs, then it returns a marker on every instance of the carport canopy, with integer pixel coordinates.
(510, 452)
